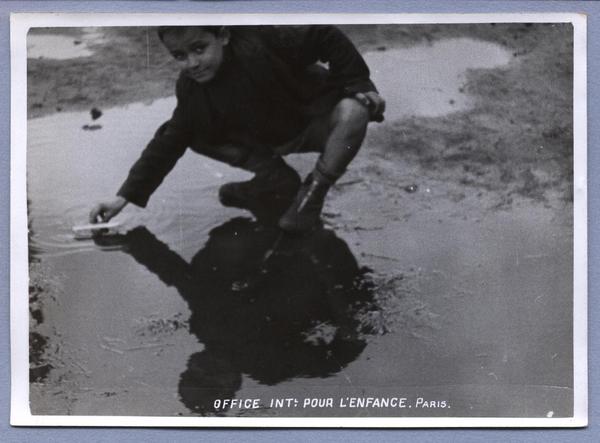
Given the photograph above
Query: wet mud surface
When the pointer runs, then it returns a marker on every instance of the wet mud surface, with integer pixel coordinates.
(442, 272)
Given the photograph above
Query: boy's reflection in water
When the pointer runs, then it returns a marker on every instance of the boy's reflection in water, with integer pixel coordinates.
(287, 316)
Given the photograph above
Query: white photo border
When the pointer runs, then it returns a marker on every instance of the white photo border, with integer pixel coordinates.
(20, 23)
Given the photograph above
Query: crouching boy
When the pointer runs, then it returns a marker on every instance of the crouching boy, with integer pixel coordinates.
(248, 96)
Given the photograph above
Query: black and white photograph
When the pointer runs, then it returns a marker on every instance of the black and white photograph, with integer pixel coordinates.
(325, 220)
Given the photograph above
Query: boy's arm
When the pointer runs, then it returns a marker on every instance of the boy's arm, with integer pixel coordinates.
(305, 45)
(166, 147)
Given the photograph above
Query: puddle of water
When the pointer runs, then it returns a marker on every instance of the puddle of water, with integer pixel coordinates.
(62, 47)
(425, 80)
(61, 194)
(497, 340)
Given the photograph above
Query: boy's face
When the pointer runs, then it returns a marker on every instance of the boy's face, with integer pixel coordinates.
(199, 52)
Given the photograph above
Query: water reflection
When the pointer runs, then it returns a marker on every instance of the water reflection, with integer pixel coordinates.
(295, 319)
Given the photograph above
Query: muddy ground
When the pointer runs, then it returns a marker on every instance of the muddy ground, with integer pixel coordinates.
(516, 140)
(463, 223)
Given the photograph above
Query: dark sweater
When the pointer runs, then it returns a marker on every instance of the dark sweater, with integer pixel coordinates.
(266, 91)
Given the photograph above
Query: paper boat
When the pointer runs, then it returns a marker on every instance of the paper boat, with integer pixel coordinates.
(92, 229)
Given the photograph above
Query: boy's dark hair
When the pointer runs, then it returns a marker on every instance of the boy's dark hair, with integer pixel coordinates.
(162, 30)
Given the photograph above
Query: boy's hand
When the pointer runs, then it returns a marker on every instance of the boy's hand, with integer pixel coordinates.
(104, 211)
(373, 102)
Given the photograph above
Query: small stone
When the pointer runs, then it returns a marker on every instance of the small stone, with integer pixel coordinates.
(96, 113)
(411, 188)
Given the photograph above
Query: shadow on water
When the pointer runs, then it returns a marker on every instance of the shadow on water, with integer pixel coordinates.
(296, 320)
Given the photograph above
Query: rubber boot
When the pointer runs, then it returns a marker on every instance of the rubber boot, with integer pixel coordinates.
(274, 183)
(305, 212)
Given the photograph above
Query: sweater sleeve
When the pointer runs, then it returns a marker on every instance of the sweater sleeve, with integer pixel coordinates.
(306, 45)
(160, 155)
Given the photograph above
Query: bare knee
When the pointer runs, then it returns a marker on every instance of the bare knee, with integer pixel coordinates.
(351, 114)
